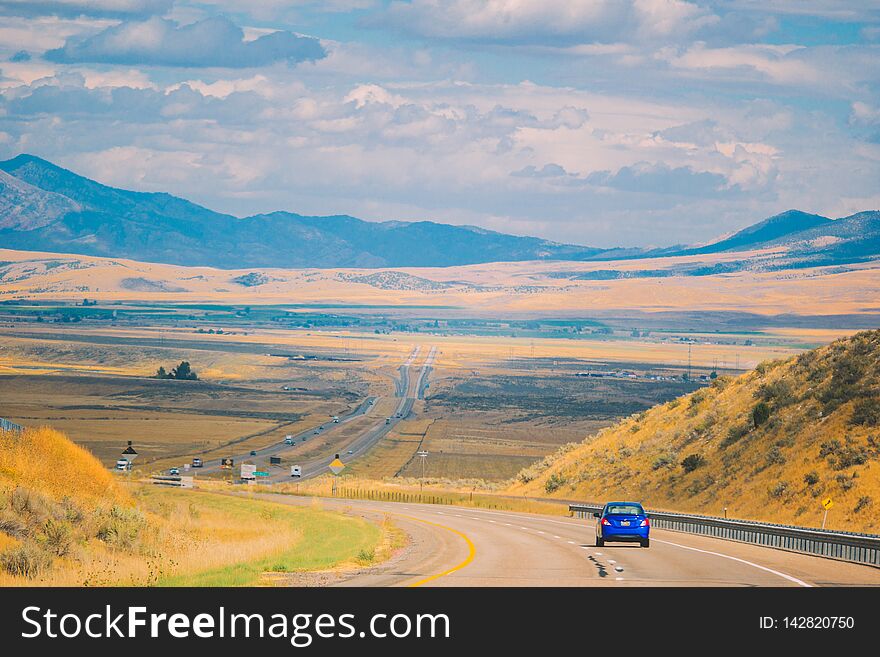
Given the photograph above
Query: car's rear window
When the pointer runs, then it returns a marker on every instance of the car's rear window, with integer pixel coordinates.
(624, 510)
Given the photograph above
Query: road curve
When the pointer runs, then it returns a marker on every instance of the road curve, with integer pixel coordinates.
(459, 546)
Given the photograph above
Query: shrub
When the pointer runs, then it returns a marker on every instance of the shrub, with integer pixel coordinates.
(760, 414)
(846, 483)
(26, 560)
(840, 456)
(864, 501)
(779, 393)
(866, 412)
(734, 434)
(811, 478)
(58, 536)
(774, 456)
(663, 461)
(366, 556)
(778, 490)
(554, 482)
(700, 484)
(692, 461)
(121, 527)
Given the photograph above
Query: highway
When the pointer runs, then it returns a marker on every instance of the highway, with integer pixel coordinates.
(359, 446)
(459, 546)
(406, 390)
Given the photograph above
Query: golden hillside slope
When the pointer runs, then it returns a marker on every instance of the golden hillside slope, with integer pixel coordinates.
(769, 445)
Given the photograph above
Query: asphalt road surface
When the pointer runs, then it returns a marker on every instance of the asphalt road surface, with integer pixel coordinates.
(458, 546)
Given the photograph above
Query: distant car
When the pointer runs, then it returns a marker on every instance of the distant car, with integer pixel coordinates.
(174, 471)
(253, 452)
(316, 432)
(122, 464)
(623, 521)
(351, 451)
(387, 420)
(197, 462)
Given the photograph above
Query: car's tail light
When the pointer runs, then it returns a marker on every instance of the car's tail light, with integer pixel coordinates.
(606, 522)
(645, 523)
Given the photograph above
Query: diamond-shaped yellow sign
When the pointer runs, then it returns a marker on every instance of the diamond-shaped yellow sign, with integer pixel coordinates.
(827, 503)
(336, 466)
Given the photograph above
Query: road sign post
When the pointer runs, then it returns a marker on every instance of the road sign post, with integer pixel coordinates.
(129, 454)
(423, 456)
(336, 466)
(826, 504)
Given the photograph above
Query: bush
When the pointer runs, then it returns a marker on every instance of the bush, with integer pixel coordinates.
(760, 414)
(692, 462)
(554, 482)
(121, 527)
(866, 412)
(779, 393)
(775, 457)
(846, 483)
(778, 490)
(26, 560)
(58, 536)
(663, 461)
(734, 434)
(811, 478)
(864, 502)
(840, 456)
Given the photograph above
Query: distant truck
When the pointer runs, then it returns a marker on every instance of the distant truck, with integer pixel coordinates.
(335, 419)
(288, 440)
(197, 462)
(122, 465)
(296, 471)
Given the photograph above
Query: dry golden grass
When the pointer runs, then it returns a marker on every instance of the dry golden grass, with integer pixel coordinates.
(46, 460)
(810, 448)
(73, 523)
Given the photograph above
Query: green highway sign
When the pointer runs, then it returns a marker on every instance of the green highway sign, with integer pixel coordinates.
(261, 474)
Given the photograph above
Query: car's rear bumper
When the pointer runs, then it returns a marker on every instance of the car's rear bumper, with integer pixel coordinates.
(625, 533)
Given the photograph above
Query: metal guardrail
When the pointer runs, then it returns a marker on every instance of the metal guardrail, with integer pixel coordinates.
(845, 546)
(6, 425)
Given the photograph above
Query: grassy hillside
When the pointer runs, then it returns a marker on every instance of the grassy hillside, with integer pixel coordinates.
(66, 520)
(768, 445)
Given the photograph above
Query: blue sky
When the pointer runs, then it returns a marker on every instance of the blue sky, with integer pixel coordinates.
(600, 122)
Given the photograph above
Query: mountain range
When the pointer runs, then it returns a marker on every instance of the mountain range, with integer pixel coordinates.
(44, 207)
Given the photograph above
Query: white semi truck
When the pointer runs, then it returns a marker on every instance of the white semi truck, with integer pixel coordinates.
(296, 471)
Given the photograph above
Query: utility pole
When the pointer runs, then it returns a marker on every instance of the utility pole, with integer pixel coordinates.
(689, 361)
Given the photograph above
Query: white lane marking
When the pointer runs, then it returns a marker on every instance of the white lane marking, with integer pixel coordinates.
(619, 579)
(611, 561)
(492, 521)
(797, 581)
(571, 543)
(586, 547)
(540, 532)
(575, 522)
(525, 529)
(555, 536)
(472, 518)
(441, 513)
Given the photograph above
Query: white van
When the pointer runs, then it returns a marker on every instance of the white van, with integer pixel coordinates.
(296, 471)
(122, 464)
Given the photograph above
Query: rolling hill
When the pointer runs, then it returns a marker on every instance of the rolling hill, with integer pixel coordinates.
(768, 445)
(44, 207)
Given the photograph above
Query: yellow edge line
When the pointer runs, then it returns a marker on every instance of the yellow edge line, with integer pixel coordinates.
(472, 551)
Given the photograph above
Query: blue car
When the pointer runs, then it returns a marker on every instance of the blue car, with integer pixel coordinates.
(623, 521)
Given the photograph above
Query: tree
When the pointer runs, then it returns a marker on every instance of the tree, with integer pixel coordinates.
(162, 374)
(760, 414)
(184, 372)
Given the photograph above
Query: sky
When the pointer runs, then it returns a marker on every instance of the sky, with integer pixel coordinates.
(596, 122)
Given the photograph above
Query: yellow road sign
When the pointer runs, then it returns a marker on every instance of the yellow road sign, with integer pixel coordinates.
(336, 465)
(827, 503)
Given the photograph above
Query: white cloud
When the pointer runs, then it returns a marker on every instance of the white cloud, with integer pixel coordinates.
(532, 21)
(212, 42)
